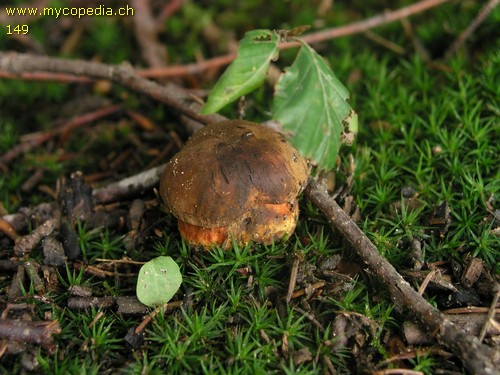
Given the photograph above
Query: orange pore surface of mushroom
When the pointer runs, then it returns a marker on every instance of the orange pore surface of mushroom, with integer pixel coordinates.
(201, 236)
(265, 224)
(234, 180)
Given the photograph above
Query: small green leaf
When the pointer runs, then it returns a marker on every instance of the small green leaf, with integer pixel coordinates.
(311, 104)
(158, 281)
(247, 72)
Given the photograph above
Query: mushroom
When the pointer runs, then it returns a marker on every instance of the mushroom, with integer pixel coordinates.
(234, 181)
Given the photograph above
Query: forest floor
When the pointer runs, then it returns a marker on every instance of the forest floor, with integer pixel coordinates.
(421, 181)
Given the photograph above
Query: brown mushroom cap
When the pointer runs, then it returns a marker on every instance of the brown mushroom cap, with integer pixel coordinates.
(227, 169)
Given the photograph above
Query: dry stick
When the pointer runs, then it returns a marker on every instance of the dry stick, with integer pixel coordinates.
(317, 285)
(83, 303)
(426, 281)
(472, 322)
(188, 69)
(7, 229)
(372, 22)
(470, 310)
(172, 71)
(491, 313)
(129, 186)
(293, 278)
(397, 371)
(167, 11)
(40, 332)
(123, 74)
(320, 36)
(481, 16)
(25, 244)
(153, 52)
(149, 318)
(44, 76)
(311, 317)
(396, 48)
(477, 358)
(414, 353)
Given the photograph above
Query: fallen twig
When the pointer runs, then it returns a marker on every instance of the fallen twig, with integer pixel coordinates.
(491, 314)
(30, 332)
(415, 353)
(293, 277)
(135, 335)
(299, 293)
(478, 20)
(427, 280)
(45, 76)
(311, 317)
(8, 230)
(397, 371)
(471, 322)
(167, 11)
(153, 52)
(116, 191)
(82, 303)
(25, 244)
(129, 186)
(372, 22)
(476, 357)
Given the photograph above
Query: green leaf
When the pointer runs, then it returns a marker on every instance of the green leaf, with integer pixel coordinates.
(247, 72)
(158, 281)
(310, 103)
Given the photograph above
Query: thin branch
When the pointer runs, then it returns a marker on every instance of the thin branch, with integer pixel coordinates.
(40, 332)
(153, 52)
(167, 11)
(481, 16)
(427, 280)
(372, 22)
(188, 69)
(7, 229)
(123, 74)
(129, 186)
(44, 76)
(25, 244)
(477, 357)
(397, 371)
(491, 313)
(293, 278)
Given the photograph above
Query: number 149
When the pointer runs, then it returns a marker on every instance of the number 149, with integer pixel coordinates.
(19, 29)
